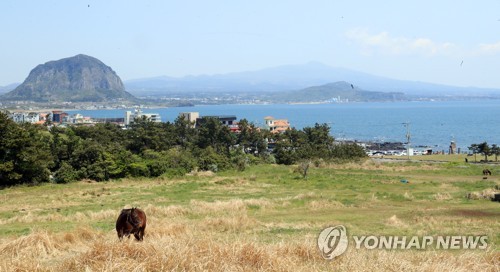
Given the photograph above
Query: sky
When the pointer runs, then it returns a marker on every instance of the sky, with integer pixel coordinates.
(439, 41)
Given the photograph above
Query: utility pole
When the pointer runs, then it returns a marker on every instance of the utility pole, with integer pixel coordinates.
(408, 139)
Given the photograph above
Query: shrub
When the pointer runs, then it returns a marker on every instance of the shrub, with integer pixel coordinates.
(138, 169)
(157, 168)
(174, 172)
(239, 159)
(180, 158)
(210, 160)
(65, 174)
(303, 168)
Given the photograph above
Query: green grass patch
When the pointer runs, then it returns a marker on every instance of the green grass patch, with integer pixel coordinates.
(366, 198)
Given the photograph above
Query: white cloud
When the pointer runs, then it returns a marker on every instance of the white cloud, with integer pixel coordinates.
(489, 48)
(384, 43)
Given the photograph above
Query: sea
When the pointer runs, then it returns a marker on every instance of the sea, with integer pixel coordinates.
(430, 124)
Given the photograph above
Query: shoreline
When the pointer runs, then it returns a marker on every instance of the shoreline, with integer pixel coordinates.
(433, 124)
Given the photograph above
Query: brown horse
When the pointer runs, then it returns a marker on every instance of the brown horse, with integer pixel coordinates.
(486, 172)
(131, 221)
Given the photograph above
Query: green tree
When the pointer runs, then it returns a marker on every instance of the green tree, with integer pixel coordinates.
(319, 141)
(289, 146)
(251, 138)
(185, 133)
(90, 161)
(475, 149)
(495, 150)
(118, 159)
(62, 145)
(65, 174)
(348, 151)
(484, 149)
(145, 134)
(239, 159)
(25, 155)
(105, 134)
(180, 159)
(212, 133)
(138, 169)
(155, 162)
(209, 159)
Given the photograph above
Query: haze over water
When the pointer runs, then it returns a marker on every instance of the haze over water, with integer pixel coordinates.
(432, 124)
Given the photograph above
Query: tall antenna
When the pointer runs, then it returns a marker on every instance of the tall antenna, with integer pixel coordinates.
(408, 138)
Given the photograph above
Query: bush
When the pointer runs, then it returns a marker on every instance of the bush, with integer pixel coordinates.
(180, 158)
(239, 159)
(348, 152)
(66, 174)
(208, 159)
(138, 169)
(157, 168)
(97, 171)
(174, 172)
(303, 168)
(269, 158)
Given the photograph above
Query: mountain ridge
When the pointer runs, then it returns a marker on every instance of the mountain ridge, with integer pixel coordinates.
(8, 88)
(296, 77)
(336, 92)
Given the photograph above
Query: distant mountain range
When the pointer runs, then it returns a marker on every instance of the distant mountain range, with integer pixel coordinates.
(8, 88)
(83, 78)
(296, 77)
(76, 79)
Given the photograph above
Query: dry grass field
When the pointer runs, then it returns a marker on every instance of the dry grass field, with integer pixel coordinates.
(265, 218)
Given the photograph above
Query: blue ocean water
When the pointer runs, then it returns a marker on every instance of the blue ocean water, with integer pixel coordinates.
(433, 124)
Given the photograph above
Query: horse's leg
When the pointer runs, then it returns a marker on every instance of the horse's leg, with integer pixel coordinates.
(137, 235)
(127, 234)
(142, 232)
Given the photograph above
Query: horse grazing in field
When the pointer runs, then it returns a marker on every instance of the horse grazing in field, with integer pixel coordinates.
(486, 172)
(131, 221)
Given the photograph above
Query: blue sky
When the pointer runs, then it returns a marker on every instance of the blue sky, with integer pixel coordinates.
(412, 40)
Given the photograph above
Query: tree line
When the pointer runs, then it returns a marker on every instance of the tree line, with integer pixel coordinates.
(32, 154)
(485, 149)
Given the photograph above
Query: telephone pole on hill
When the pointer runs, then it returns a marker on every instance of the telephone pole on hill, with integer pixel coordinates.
(408, 139)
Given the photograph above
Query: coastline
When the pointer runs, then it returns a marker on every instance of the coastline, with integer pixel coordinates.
(434, 124)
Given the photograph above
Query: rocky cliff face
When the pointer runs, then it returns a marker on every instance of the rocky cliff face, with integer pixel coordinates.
(76, 79)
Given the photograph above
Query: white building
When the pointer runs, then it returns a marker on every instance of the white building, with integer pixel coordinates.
(137, 114)
(190, 117)
(25, 117)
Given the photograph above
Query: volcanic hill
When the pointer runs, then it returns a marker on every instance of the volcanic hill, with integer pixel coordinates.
(75, 79)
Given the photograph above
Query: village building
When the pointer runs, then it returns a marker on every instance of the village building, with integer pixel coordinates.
(59, 116)
(190, 117)
(196, 120)
(276, 125)
(42, 118)
(25, 117)
(227, 120)
(138, 114)
(77, 118)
